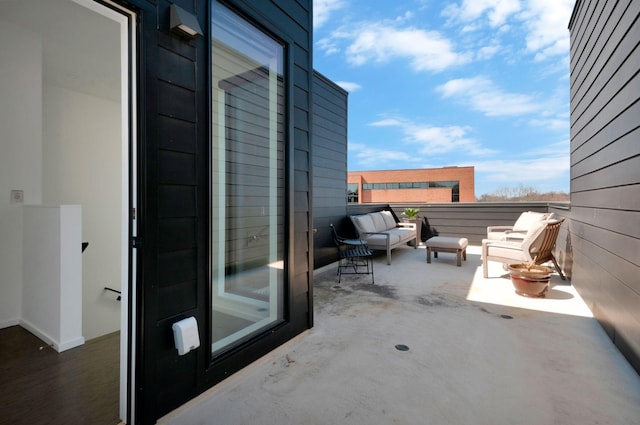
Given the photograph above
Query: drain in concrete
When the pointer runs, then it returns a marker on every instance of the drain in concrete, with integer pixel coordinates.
(402, 347)
(506, 316)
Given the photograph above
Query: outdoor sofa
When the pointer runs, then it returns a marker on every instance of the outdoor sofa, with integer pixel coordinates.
(381, 231)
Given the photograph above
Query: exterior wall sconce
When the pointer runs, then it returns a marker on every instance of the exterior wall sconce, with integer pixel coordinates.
(184, 23)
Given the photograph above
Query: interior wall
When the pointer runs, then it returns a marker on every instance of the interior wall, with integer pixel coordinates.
(21, 154)
(60, 142)
(82, 165)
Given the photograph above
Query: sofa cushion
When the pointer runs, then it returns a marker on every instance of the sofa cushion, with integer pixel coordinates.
(529, 219)
(399, 234)
(381, 240)
(363, 223)
(378, 221)
(388, 219)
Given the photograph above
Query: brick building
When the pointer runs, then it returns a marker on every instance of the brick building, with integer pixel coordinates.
(448, 184)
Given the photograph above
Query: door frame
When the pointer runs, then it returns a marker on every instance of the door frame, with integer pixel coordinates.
(128, 21)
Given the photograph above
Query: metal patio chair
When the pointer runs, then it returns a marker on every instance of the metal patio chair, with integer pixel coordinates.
(354, 256)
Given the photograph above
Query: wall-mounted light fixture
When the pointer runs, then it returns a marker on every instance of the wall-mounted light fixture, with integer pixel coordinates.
(183, 23)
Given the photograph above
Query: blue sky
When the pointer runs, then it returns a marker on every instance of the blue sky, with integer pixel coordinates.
(434, 83)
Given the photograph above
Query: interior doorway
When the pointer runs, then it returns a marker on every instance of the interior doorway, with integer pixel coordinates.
(67, 138)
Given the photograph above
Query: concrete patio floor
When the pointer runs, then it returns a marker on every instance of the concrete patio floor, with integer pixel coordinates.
(478, 354)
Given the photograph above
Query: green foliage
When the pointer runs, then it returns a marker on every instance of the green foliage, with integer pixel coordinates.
(411, 213)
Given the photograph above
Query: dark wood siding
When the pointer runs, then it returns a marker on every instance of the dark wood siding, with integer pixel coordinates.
(329, 136)
(605, 166)
(174, 154)
(173, 208)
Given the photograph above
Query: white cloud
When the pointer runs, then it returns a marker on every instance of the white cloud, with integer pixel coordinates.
(369, 157)
(546, 163)
(551, 123)
(554, 150)
(322, 10)
(381, 42)
(432, 140)
(497, 11)
(387, 122)
(512, 171)
(546, 167)
(349, 86)
(542, 22)
(328, 45)
(546, 22)
(482, 95)
(487, 52)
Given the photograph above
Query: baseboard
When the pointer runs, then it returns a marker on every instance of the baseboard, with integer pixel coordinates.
(9, 323)
(37, 332)
(67, 345)
(56, 345)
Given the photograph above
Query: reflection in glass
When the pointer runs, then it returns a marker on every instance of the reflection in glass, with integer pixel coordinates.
(247, 181)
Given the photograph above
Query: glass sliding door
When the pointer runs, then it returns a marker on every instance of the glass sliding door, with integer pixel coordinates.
(247, 180)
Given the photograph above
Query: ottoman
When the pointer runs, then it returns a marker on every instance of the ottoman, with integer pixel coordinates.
(447, 244)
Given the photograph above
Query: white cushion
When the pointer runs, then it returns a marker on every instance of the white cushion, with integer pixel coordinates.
(534, 233)
(447, 242)
(378, 221)
(388, 219)
(363, 223)
(380, 241)
(528, 220)
(400, 233)
(507, 250)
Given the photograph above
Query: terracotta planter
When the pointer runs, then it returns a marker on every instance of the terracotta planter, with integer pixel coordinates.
(530, 281)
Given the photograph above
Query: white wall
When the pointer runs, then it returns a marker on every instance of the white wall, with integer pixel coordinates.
(52, 290)
(59, 146)
(82, 165)
(20, 153)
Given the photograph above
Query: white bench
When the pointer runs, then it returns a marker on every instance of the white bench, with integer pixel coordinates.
(457, 246)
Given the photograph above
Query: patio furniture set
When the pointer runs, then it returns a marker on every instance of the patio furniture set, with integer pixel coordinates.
(529, 241)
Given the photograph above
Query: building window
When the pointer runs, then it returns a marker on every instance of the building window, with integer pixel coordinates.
(454, 185)
(352, 193)
(247, 180)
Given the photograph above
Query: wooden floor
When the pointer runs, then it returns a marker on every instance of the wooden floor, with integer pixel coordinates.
(41, 386)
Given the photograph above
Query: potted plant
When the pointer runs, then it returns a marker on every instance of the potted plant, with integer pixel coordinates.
(530, 279)
(411, 213)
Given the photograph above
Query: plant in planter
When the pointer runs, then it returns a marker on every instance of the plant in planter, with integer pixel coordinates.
(411, 213)
(529, 279)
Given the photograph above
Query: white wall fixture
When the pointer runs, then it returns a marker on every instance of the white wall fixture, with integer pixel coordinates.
(185, 334)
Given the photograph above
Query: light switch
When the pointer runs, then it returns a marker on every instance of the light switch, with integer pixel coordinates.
(17, 196)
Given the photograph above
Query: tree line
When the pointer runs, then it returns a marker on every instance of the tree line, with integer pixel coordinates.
(521, 193)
